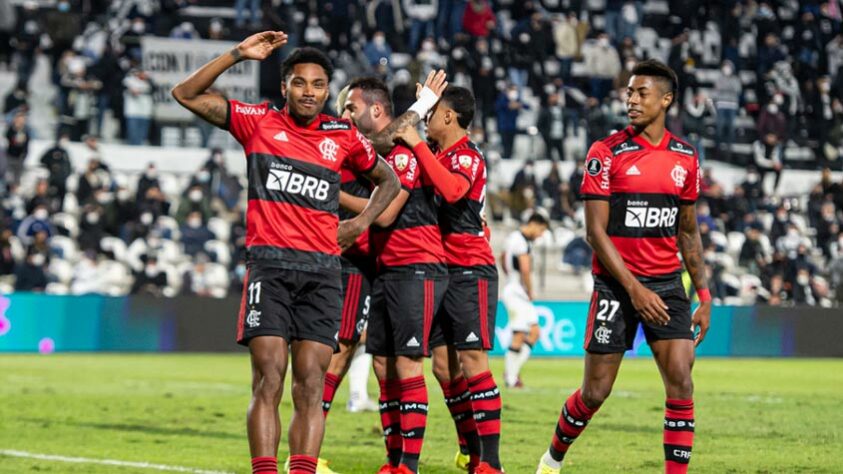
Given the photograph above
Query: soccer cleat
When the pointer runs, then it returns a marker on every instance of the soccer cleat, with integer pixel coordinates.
(357, 407)
(321, 466)
(461, 460)
(485, 468)
(402, 469)
(545, 469)
(386, 469)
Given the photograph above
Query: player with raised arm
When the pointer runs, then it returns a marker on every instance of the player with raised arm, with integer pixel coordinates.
(517, 297)
(292, 290)
(640, 187)
(464, 327)
(410, 283)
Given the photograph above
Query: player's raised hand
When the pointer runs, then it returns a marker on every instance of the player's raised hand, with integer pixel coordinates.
(702, 320)
(260, 45)
(435, 82)
(649, 305)
(347, 233)
(408, 135)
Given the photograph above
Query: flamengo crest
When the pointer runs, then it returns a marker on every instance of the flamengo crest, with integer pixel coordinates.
(679, 174)
(329, 149)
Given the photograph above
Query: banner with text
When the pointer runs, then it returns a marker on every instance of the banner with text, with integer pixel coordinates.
(168, 61)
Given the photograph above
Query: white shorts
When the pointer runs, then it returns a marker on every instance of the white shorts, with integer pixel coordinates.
(520, 310)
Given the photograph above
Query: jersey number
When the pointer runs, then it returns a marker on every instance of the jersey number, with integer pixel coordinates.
(255, 292)
(607, 306)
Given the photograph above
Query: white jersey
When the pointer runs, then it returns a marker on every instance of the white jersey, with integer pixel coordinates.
(515, 246)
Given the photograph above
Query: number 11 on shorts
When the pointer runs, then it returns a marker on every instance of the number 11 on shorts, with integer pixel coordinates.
(254, 293)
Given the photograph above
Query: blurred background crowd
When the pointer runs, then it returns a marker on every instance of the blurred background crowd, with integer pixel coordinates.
(761, 98)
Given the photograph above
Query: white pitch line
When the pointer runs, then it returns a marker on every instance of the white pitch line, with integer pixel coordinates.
(106, 462)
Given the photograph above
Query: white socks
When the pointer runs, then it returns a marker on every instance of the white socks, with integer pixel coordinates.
(511, 366)
(358, 375)
(548, 459)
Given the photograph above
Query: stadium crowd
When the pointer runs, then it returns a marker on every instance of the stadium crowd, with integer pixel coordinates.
(761, 87)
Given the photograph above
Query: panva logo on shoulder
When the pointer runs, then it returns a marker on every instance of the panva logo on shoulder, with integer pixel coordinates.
(295, 183)
(334, 125)
(249, 109)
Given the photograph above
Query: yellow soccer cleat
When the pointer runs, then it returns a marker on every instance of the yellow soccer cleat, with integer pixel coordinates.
(461, 461)
(321, 466)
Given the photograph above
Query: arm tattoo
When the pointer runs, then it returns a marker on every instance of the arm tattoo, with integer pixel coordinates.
(213, 110)
(236, 55)
(690, 245)
(382, 140)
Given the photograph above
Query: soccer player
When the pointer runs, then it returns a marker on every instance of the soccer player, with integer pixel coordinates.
(464, 327)
(639, 187)
(518, 295)
(292, 290)
(409, 287)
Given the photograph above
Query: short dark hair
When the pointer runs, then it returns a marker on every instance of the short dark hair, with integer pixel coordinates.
(306, 55)
(659, 70)
(374, 90)
(462, 101)
(538, 218)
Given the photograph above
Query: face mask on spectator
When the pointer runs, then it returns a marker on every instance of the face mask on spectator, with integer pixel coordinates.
(727, 69)
(151, 173)
(752, 178)
(92, 217)
(105, 198)
(153, 242)
(773, 108)
(124, 195)
(41, 214)
(195, 195)
(778, 99)
(630, 65)
(379, 41)
(603, 42)
(512, 95)
(64, 142)
(146, 218)
(138, 27)
(194, 222)
(240, 271)
(203, 176)
(38, 260)
(151, 270)
(803, 279)
(63, 7)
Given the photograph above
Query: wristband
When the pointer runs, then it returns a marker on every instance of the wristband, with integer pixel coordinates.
(704, 295)
(427, 99)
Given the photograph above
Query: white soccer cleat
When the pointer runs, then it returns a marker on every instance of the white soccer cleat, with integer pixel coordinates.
(357, 407)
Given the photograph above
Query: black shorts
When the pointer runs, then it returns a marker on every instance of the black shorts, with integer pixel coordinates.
(466, 319)
(403, 306)
(293, 304)
(613, 321)
(357, 276)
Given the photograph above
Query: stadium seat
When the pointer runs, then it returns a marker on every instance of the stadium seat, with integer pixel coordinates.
(66, 221)
(220, 227)
(71, 204)
(57, 289)
(18, 251)
(736, 241)
(172, 225)
(64, 247)
(61, 269)
(116, 246)
(220, 251)
(217, 279)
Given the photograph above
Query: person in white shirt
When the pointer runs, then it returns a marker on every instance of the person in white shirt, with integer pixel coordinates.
(138, 106)
(518, 295)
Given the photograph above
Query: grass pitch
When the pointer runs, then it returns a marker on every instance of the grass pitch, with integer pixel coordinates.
(755, 416)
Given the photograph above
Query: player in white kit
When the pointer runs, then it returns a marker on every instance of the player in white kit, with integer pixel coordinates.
(517, 295)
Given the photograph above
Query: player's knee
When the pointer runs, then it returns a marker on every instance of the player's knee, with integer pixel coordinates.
(307, 390)
(593, 397)
(268, 385)
(682, 388)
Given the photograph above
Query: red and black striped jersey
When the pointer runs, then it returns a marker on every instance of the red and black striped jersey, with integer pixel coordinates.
(358, 187)
(463, 222)
(414, 238)
(294, 183)
(645, 184)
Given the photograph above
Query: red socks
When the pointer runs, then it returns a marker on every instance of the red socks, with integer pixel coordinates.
(458, 400)
(264, 465)
(413, 420)
(572, 422)
(678, 435)
(331, 384)
(486, 404)
(390, 410)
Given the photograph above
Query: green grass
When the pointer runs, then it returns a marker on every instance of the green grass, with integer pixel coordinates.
(757, 416)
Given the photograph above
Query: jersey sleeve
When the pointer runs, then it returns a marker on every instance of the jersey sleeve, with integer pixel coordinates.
(596, 182)
(691, 190)
(243, 119)
(406, 166)
(361, 156)
(467, 163)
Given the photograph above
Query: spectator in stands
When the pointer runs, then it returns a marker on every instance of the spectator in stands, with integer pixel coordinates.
(479, 19)
(151, 280)
(524, 189)
(42, 198)
(194, 234)
(694, 117)
(197, 200)
(18, 135)
(8, 20)
(602, 64)
(772, 119)
(483, 82)
(769, 54)
(82, 90)
(27, 41)
(62, 25)
(507, 108)
(109, 71)
(781, 223)
(551, 125)
(753, 189)
(186, 31)
(94, 178)
(7, 257)
(17, 100)
(31, 275)
(753, 256)
(154, 203)
(827, 228)
(57, 161)
(314, 35)
(575, 180)
(378, 52)
(768, 155)
(404, 92)
(421, 14)
(550, 185)
(836, 270)
(597, 119)
(727, 95)
(566, 42)
(148, 179)
(577, 254)
(137, 105)
(86, 275)
(240, 8)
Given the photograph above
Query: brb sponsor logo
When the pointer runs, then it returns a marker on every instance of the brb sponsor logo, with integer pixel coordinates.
(288, 181)
(640, 215)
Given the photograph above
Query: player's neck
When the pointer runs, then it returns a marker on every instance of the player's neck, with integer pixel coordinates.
(301, 121)
(450, 138)
(652, 133)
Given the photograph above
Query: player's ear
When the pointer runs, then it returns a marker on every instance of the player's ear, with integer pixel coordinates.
(284, 89)
(376, 110)
(667, 99)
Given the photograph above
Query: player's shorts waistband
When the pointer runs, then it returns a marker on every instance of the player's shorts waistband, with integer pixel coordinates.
(666, 282)
(483, 271)
(423, 271)
(280, 257)
(357, 264)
